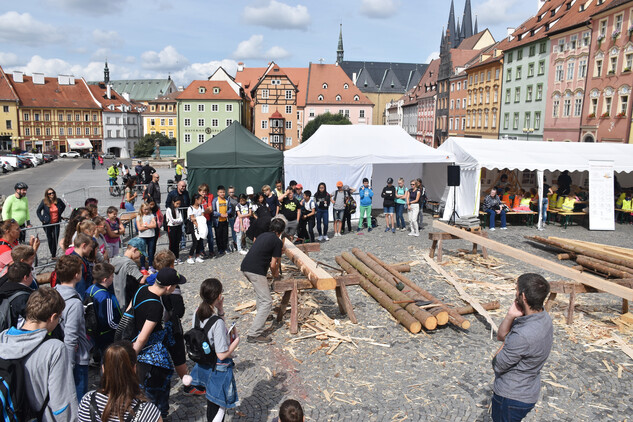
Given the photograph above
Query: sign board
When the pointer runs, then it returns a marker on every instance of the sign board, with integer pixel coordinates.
(601, 205)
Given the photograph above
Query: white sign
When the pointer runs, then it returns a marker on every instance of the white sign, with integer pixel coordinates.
(601, 206)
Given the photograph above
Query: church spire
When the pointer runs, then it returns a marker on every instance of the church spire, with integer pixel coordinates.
(339, 50)
(106, 72)
(476, 28)
(450, 29)
(467, 20)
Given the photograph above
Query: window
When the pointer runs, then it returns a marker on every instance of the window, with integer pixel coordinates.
(594, 106)
(530, 72)
(542, 49)
(5, 109)
(265, 139)
(614, 64)
(38, 131)
(215, 123)
(506, 120)
(452, 87)
(598, 69)
(215, 108)
(170, 107)
(229, 122)
(624, 104)
(288, 141)
(603, 28)
(152, 108)
(497, 72)
(481, 97)
(509, 56)
(187, 107)
(95, 117)
(582, 69)
(532, 50)
(27, 131)
(201, 138)
(324, 86)
(288, 109)
(452, 104)
(567, 107)
(86, 117)
(463, 123)
(517, 94)
(508, 95)
(228, 108)
(561, 45)
(26, 117)
(607, 106)
(201, 108)
(586, 37)
(264, 108)
(570, 70)
(528, 93)
(171, 122)
(577, 107)
(515, 123)
(628, 61)
(320, 98)
(9, 125)
(356, 98)
(520, 54)
(457, 103)
(556, 104)
(162, 122)
(463, 102)
(617, 26)
(109, 133)
(488, 97)
(479, 119)
(496, 96)
(486, 120)
(508, 75)
(346, 113)
(47, 117)
(187, 138)
(61, 131)
(559, 73)
(573, 42)
(86, 131)
(527, 120)
(60, 117)
(361, 114)
(459, 85)
(171, 133)
(288, 94)
(488, 76)
(338, 98)
(539, 92)
(200, 122)
(264, 93)
(264, 124)
(187, 122)
(450, 124)
(541, 67)
(288, 124)
(345, 86)
(476, 79)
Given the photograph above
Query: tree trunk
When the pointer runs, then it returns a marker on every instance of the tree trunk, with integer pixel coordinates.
(321, 279)
(603, 267)
(402, 268)
(488, 306)
(583, 250)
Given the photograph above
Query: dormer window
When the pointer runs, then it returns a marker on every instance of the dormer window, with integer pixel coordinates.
(356, 98)
(320, 98)
(111, 107)
(324, 86)
(202, 90)
(216, 90)
(346, 86)
(338, 98)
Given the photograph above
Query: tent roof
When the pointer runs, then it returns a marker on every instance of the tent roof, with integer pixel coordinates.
(531, 155)
(234, 147)
(363, 144)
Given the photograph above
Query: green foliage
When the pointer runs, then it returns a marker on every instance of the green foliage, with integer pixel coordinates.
(145, 147)
(323, 119)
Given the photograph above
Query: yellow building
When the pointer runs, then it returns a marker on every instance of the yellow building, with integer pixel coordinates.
(8, 114)
(484, 95)
(161, 116)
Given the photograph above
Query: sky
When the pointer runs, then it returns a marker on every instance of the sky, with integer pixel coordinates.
(189, 39)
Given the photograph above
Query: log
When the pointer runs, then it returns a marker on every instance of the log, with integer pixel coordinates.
(488, 306)
(565, 256)
(606, 268)
(597, 247)
(453, 317)
(321, 279)
(402, 268)
(441, 315)
(428, 321)
(397, 311)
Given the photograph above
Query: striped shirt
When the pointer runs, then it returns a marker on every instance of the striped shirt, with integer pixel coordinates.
(148, 412)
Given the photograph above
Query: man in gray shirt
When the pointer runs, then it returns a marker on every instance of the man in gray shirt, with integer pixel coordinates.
(527, 335)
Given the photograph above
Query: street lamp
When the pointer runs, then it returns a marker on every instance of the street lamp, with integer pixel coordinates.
(527, 132)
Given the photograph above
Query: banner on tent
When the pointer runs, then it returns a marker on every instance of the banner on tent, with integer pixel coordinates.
(601, 207)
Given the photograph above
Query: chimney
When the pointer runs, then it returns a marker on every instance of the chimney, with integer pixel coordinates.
(18, 76)
(240, 66)
(354, 78)
(126, 95)
(38, 78)
(109, 91)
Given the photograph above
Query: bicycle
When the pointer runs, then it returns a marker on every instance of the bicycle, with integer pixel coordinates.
(115, 190)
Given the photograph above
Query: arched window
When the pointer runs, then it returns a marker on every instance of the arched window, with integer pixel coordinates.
(356, 98)
(324, 86)
(320, 98)
(338, 98)
(346, 86)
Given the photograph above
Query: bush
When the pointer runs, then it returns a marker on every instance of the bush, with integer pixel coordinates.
(323, 119)
(145, 146)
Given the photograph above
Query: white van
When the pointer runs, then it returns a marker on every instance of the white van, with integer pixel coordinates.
(11, 159)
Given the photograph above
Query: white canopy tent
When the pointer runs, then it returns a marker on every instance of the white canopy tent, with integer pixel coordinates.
(475, 154)
(351, 152)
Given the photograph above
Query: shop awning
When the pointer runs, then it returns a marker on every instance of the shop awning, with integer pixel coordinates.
(80, 143)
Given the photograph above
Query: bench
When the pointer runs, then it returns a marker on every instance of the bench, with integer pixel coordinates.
(127, 221)
(567, 217)
(483, 216)
(439, 237)
(620, 214)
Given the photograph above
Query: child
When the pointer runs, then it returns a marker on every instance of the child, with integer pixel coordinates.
(105, 304)
(114, 229)
(82, 249)
(146, 224)
(127, 276)
(308, 211)
(16, 291)
(100, 241)
(206, 202)
(73, 324)
(197, 245)
(221, 211)
(389, 205)
(366, 194)
(290, 411)
(401, 202)
(221, 392)
(242, 222)
(174, 227)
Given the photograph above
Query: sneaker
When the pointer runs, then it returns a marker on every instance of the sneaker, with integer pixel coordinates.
(243, 252)
(178, 261)
(492, 229)
(416, 234)
(259, 339)
(387, 229)
(326, 238)
(359, 229)
(393, 230)
(152, 270)
(195, 390)
(320, 238)
(411, 234)
(198, 259)
(369, 229)
(220, 254)
(191, 261)
(504, 228)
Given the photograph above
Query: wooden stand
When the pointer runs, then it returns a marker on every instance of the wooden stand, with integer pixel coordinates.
(439, 237)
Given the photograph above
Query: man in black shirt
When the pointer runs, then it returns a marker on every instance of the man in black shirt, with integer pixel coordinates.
(147, 172)
(290, 207)
(265, 253)
(389, 204)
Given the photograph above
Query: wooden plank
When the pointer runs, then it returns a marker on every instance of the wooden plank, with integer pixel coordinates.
(282, 286)
(344, 302)
(462, 293)
(321, 279)
(282, 306)
(537, 261)
(294, 310)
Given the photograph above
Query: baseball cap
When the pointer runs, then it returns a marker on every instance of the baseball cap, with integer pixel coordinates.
(169, 277)
(249, 190)
(139, 244)
(299, 186)
(389, 181)
(339, 184)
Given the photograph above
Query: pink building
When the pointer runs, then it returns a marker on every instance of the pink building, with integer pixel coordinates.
(426, 93)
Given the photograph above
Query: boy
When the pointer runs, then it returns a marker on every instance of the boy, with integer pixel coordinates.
(291, 209)
(290, 411)
(308, 210)
(221, 211)
(17, 291)
(154, 366)
(73, 324)
(105, 304)
(47, 377)
(83, 247)
(21, 253)
(366, 194)
(127, 275)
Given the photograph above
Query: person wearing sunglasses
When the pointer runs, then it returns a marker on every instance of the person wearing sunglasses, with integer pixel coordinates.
(50, 213)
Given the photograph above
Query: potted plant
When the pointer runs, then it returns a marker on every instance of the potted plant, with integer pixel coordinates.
(621, 115)
(605, 115)
(626, 69)
(615, 35)
(600, 39)
(591, 115)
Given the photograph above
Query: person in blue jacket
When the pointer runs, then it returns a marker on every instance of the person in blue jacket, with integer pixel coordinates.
(365, 193)
(106, 306)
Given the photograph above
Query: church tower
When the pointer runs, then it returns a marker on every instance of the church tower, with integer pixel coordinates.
(339, 50)
(106, 73)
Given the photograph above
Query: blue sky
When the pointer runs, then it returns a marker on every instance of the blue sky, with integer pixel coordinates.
(190, 38)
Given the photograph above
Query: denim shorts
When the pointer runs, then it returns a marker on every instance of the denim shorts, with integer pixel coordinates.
(389, 210)
(338, 215)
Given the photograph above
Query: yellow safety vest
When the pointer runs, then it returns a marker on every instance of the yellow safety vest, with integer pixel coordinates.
(525, 202)
(627, 205)
(618, 203)
(568, 204)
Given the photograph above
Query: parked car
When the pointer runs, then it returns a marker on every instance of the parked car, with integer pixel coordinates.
(69, 154)
(37, 160)
(47, 158)
(109, 156)
(30, 162)
(12, 160)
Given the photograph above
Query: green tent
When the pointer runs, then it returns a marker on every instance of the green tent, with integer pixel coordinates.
(234, 157)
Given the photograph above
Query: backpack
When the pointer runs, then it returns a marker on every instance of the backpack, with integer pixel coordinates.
(195, 340)
(5, 309)
(127, 326)
(58, 332)
(189, 224)
(14, 404)
(53, 279)
(350, 204)
(90, 313)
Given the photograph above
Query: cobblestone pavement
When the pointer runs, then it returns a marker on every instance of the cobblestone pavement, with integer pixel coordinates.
(444, 375)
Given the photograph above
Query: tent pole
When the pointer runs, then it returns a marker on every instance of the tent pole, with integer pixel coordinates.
(539, 178)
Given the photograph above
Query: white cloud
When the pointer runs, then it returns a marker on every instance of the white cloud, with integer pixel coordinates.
(379, 9)
(496, 12)
(16, 28)
(106, 38)
(253, 48)
(89, 7)
(434, 55)
(101, 54)
(277, 15)
(9, 59)
(55, 66)
(130, 59)
(203, 70)
(166, 60)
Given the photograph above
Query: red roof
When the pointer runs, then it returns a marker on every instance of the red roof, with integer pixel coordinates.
(192, 92)
(51, 94)
(276, 115)
(334, 78)
(249, 77)
(100, 93)
(6, 90)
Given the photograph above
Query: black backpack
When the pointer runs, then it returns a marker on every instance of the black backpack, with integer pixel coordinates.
(127, 326)
(90, 313)
(194, 340)
(5, 309)
(14, 403)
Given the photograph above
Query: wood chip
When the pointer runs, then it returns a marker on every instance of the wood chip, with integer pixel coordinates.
(245, 305)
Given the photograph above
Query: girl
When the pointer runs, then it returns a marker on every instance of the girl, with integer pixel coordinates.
(174, 227)
(413, 205)
(120, 396)
(242, 222)
(156, 212)
(422, 201)
(50, 214)
(146, 224)
(114, 229)
(130, 194)
(322, 199)
(197, 245)
(100, 240)
(220, 386)
(401, 201)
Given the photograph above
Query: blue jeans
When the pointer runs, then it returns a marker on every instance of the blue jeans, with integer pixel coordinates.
(493, 214)
(322, 217)
(151, 248)
(129, 206)
(388, 210)
(508, 410)
(231, 224)
(400, 216)
(545, 204)
(156, 382)
(338, 215)
(80, 374)
(210, 235)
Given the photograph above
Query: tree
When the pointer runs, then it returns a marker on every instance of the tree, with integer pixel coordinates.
(323, 119)
(145, 146)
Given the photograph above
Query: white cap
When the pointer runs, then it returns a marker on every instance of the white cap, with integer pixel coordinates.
(249, 190)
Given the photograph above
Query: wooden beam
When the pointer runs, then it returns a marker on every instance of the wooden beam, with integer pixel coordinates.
(537, 261)
(321, 279)
(282, 286)
(309, 247)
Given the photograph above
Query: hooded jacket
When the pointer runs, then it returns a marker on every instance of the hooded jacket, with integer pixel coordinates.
(74, 326)
(46, 371)
(18, 304)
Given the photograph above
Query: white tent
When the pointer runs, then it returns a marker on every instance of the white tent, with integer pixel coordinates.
(474, 154)
(351, 152)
